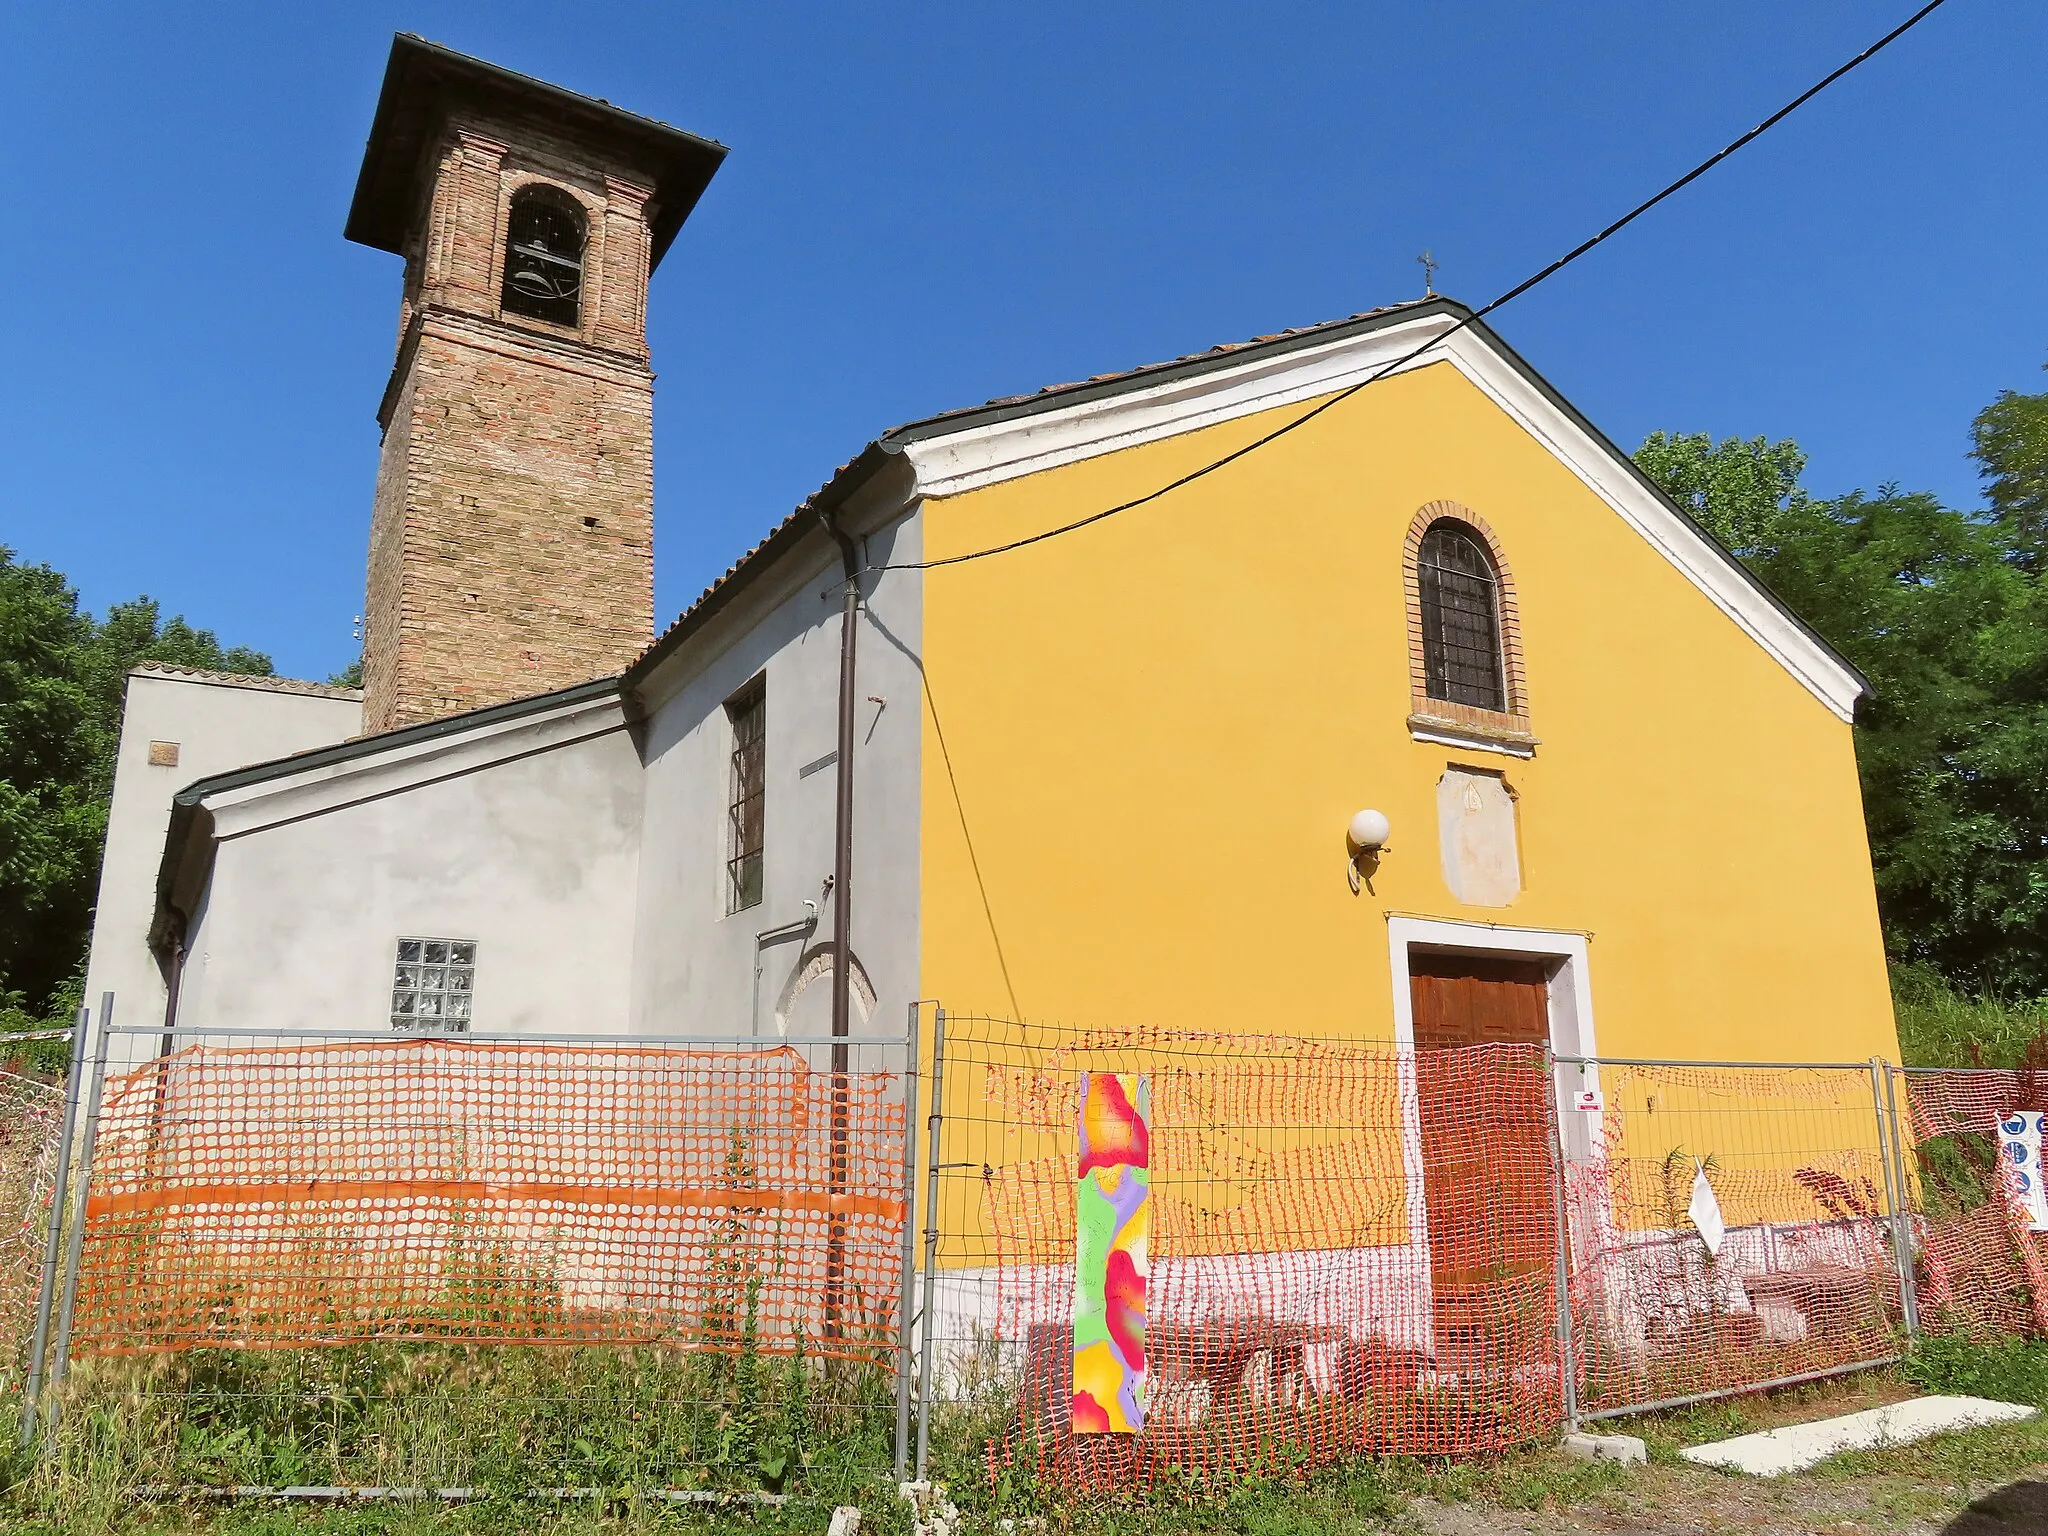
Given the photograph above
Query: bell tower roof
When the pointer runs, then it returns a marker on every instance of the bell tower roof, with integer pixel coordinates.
(423, 80)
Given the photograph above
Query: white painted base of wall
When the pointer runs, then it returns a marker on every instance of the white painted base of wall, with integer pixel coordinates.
(1796, 1447)
(984, 1313)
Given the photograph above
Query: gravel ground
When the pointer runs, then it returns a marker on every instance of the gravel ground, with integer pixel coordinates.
(1749, 1507)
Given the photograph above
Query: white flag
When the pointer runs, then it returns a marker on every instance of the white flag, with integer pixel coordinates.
(1705, 1211)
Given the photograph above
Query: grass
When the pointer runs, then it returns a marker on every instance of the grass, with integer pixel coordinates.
(488, 1517)
(2010, 1370)
(1940, 1027)
(1876, 1490)
(600, 1422)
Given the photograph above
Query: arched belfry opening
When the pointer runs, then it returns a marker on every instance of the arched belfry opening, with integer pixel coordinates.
(545, 233)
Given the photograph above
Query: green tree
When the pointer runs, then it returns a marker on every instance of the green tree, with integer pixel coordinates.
(1939, 609)
(1741, 492)
(2010, 444)
(62, 681)
(1925, 600)
(51, 819)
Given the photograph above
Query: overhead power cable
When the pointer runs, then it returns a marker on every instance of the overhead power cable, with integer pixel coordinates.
(1471, 318)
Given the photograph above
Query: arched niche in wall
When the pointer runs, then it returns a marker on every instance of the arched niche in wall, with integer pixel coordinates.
(814, 967)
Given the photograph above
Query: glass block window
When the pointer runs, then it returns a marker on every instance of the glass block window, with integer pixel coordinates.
(433, 986)
(1461, 632)
(746, 823)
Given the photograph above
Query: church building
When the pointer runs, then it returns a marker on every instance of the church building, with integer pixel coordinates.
(1430, 719)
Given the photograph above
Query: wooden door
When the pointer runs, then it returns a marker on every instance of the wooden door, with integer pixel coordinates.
(1486, 1156)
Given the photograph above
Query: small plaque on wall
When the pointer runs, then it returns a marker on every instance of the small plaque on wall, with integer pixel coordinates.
(163, 754)
(1477, 836)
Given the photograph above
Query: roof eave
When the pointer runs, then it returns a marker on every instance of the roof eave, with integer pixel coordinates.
(191, 820)
(1063, 396)
(856, 474)
(783, 539)
(419, 77)
(1549, 391)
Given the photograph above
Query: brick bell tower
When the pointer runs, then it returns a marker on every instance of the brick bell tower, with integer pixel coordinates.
(512, 536)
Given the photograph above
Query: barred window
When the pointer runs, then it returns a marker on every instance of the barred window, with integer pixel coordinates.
(433, 986)
(747, 711)
(543, 256)
(1461, 631)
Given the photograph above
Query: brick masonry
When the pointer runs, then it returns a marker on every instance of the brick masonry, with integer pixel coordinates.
(512, 534)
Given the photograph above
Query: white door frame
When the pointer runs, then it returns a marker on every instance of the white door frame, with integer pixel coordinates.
(1570, 989)
(1570, 996)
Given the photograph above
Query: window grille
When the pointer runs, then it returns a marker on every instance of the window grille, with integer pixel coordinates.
(433, 986)
(1461, 640)
(543, 257)
(747, 823)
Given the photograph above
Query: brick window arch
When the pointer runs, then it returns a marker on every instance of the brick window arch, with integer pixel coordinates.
(1468, 683)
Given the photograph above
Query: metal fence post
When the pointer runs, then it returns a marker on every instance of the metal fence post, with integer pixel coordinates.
(1891, 1191)
(60, 1355)
(60, 1199)
(1567, 1361)
(1902, 1206)
(929, 1312)
(906, 1289)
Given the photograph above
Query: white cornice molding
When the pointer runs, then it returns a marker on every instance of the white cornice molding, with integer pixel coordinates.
(950, 464)
(1674, 537)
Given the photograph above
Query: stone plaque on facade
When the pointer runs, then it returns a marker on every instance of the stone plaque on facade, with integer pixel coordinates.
(1476, 831)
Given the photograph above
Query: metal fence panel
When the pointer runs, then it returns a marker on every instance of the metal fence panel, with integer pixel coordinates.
(1361, 1247)
(1352, 1248)
(32, 1145)
(1801, 1282)
(562, 1263)
(440, 1262)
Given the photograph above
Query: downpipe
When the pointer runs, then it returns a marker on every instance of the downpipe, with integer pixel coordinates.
(842, 924)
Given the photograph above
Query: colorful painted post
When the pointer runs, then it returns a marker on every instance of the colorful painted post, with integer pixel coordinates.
(1112, 1219)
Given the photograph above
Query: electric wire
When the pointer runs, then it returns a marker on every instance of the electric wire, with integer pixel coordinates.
(1469, 319)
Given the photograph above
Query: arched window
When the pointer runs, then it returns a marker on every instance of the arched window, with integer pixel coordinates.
(543, 256)
(1459, 587)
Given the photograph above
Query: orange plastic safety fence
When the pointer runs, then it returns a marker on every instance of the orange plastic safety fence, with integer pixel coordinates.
(1983, 1270)
(1352, 1249)
(1357, 1248)
(305, 1194)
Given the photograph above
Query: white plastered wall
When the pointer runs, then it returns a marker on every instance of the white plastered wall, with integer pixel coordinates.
(217, 725)
(523, 837)
(694, 964)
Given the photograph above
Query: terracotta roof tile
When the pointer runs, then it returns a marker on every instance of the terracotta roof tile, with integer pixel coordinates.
(246, 680)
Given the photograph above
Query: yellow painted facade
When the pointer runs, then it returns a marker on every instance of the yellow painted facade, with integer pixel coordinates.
(1144, 741)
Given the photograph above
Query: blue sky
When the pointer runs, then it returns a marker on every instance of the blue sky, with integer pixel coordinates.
(926, 206)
